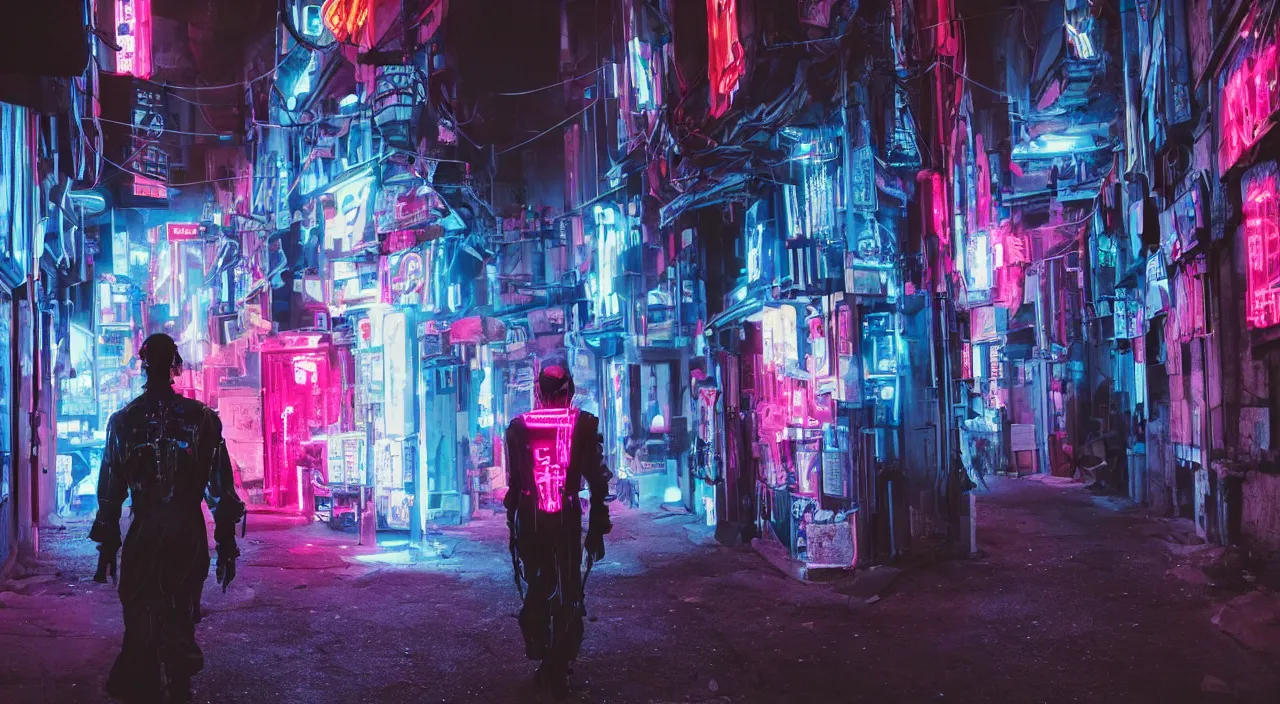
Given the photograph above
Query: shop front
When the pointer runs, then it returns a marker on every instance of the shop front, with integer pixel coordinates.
(302, 390)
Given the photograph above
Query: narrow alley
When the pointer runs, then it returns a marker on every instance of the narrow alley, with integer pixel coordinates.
(1075, 599)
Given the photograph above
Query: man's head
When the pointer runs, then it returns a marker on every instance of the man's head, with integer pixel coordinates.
(555, 386)
(160, 360)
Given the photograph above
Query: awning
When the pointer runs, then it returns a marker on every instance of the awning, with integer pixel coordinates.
(735, 313)
(1130, 277)
(730, 186)
(1018, 344)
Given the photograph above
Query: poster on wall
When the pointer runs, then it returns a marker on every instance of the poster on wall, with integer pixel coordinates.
(982, 324)
(406, 278)
(831, 544)
(835, 474)
(396, 358)
(346, 214)
(819, 353)
(809, 465)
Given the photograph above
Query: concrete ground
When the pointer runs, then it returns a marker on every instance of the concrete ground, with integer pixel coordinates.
(1077, 599)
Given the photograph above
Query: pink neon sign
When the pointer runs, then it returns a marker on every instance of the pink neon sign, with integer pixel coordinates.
(550, 439)
(133, 34)
(1250, 94)
(1261, 210)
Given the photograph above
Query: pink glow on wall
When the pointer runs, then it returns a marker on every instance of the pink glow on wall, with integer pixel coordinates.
(984, 183)
(724, 52)
(1261, 210)
(133, 34)
(550, 439)
(1250, 94)
(938, 202)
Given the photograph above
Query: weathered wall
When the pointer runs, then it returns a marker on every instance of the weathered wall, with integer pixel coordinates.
(1260, 516)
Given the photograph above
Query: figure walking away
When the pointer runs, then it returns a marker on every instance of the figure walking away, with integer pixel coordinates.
(551, 451)
(166, 453)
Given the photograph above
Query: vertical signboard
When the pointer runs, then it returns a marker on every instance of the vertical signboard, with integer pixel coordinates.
(1261, 210)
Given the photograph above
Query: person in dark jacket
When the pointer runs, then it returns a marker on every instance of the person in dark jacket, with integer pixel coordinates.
(166, 453)
(551, 451)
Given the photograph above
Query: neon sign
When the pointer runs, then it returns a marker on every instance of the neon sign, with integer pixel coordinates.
(345, 18)
(550, 439)
(1250, 93)
(648, 90)
(938, 208)
(133, 34)
(609, 248)
(1261, 211)
(725, 54)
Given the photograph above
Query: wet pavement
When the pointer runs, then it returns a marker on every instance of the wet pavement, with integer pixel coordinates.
(1077, 599)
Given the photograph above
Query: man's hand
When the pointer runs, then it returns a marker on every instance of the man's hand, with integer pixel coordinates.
(595, 546)
(106, 564)
(225, 572)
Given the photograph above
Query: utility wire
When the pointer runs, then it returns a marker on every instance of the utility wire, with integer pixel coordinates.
(162, 130)
(592, 72)
(242, 84)
(959, 73)
(559, 124)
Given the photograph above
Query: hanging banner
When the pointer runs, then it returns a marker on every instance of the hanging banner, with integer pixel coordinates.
(346, 214)
(982, 324)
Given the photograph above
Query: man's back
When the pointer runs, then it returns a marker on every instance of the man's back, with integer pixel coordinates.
(161, 446)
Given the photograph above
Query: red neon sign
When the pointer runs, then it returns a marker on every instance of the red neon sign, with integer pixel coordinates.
(345, 18)
(182, 232)
(725, 56)
(1261, 210)
(1250, 94)
(133, 34)
(550, 439)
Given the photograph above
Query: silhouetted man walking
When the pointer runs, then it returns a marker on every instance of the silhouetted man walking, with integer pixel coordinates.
(551, 451)
(166, 452)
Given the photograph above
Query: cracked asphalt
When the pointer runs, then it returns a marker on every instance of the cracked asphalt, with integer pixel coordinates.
(1076, 599)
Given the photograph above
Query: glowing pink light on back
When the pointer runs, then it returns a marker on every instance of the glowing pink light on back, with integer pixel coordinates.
(550, 440)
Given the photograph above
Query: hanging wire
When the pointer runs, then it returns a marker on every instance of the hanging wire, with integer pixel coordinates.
(961, 74)
(547, 131)
(226, 86)
(189, 101)
(166, 130)
(592, 72)
(169, 185)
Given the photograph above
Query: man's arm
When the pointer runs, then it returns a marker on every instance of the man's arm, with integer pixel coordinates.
(113, 488)
(220, 494)
(514, 450)
(597, 475)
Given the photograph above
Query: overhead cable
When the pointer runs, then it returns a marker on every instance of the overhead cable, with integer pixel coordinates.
(163, 129)
(961, 74)
(241, 84)
(547, 131)
(592, 72)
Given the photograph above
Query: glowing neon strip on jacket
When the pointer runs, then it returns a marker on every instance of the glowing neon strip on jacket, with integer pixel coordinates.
(550, 452)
